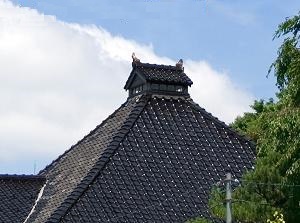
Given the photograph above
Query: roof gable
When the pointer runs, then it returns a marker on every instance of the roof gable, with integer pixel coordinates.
(161, 74)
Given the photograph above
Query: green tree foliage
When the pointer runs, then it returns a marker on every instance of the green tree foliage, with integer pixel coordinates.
(275, 127)
(246, 124)
(270, 186)
(287, 65)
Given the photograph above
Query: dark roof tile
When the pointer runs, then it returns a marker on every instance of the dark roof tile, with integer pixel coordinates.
(159, 74)
(70, 174)
(153, 160)
(159, 181)
(17, 195)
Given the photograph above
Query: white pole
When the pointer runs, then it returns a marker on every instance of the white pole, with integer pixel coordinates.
(228, 198)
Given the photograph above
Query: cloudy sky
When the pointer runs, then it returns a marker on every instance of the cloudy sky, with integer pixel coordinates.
(64, 63)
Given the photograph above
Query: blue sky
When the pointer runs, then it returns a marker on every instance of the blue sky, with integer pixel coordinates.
(232, 35)
(56, 58)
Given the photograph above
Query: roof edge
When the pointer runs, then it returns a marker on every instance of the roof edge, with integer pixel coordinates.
(54, 162)
(224, 125)
(136, 65)
(160, 66)
(131, 77)
(72, 198)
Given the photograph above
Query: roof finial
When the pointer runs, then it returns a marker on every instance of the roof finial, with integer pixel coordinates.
(179, 64)
(135, 59)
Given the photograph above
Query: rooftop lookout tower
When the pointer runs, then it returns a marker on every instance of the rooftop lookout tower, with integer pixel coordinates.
(157, 79)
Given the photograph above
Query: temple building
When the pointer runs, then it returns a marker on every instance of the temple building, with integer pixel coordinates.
(154, 159)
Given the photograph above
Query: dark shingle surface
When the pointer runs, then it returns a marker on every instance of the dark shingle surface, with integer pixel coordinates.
(70, 174)
(164, 168)
(17, 196)
(153, 160)
(161, 74)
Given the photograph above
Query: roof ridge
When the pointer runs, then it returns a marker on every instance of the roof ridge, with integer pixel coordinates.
(82, 186)
(159, 66)
(55, 161)
(143, 73)
(222, 124)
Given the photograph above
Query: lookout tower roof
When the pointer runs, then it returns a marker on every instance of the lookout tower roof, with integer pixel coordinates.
(159, 79)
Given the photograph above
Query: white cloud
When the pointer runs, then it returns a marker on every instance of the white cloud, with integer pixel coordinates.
(59, 80)
(215, 92)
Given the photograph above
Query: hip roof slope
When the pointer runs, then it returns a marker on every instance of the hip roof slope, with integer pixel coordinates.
(163, 169)
(68, 173)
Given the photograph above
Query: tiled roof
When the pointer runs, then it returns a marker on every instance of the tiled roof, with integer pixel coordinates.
(163, 169)
(17, 196)
(153, 160)
(68, 175)
(160, 74)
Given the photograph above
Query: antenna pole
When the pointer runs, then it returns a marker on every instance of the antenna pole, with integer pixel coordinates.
(228, 198)
(34, 167)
